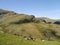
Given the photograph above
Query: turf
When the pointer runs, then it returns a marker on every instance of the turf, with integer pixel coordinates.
(8, 39)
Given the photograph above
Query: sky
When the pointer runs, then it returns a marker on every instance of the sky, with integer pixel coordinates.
(39, 8)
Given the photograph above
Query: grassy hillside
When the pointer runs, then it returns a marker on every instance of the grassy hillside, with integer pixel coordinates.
(16, 29)
(34, 30)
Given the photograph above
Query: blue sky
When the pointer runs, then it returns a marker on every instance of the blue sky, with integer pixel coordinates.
(39, 8)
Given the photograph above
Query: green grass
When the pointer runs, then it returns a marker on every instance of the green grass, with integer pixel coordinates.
(8, 39)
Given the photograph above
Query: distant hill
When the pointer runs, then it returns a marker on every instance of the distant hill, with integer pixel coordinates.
(2, 12)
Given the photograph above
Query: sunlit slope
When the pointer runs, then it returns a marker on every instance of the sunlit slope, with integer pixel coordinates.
(37, 31)
(29, 26)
